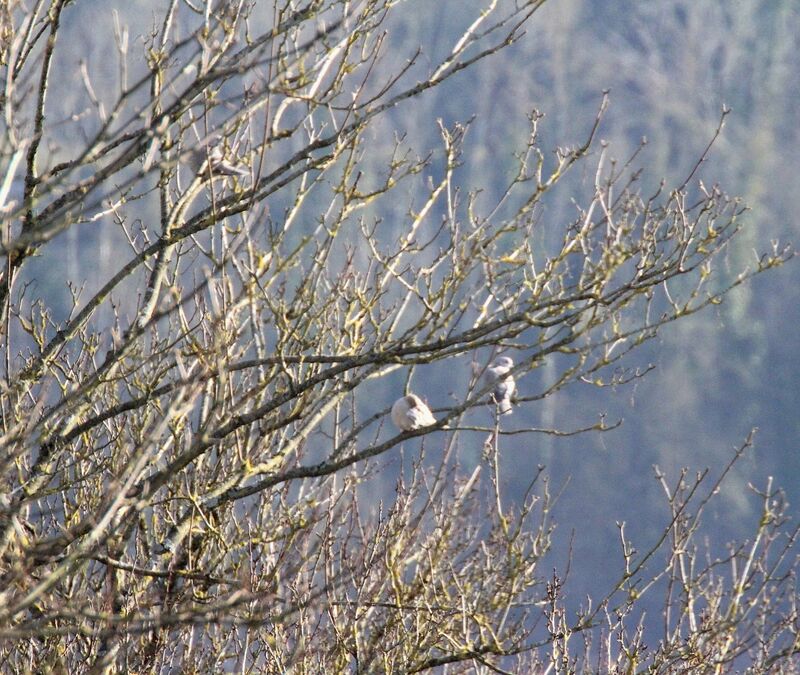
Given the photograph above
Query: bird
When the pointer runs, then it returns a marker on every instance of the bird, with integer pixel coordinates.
(212, 156)
(504, 384)
(410, 412)
(221, 166)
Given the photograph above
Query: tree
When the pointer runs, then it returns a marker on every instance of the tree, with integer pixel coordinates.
(188, 450)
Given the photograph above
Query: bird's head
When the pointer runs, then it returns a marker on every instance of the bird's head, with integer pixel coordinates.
(504, 362)
(413, 400)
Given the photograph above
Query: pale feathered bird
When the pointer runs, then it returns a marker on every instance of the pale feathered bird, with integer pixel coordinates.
(221, 166)
(410, 412)
(504, 385)
(213, 156)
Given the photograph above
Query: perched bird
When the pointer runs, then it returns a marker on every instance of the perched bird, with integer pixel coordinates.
(410, 412)
(212, 156)
(504, 385)
(221, 166)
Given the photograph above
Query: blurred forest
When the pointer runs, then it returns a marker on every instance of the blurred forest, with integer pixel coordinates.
(670, 67)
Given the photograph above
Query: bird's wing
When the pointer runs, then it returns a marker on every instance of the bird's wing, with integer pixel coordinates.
(503, 391)
(225, 168)
(420, 416)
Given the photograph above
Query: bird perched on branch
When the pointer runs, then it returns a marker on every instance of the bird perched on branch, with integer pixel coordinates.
(410, 412)
(504, 384)
(221, 166)
(213, 157)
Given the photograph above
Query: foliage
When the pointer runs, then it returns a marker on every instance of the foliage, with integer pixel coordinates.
(186, 452)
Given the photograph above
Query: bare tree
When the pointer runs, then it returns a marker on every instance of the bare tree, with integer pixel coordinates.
(186, 450)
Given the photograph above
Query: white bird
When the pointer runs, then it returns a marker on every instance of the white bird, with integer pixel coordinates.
(212, 156)
(410, 412)
(221, 166)
(504, 384)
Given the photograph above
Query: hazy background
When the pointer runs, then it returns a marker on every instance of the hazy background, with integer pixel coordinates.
(669, 66)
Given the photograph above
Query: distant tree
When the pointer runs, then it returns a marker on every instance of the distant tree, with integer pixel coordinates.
(185, 448)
